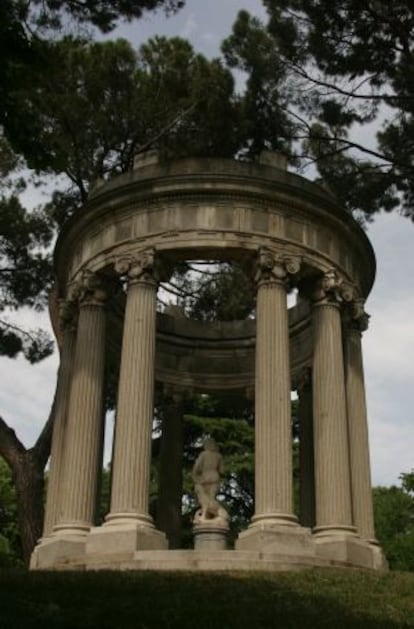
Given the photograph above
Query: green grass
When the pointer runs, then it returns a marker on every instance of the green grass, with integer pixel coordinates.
(136, 600)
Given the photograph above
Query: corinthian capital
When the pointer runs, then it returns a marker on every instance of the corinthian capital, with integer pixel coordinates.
(275, 267)
(88, 290)
(68, 314)
(331, 288)
(358, 318)
(140, 267)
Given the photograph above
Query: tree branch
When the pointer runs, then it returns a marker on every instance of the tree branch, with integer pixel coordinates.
(166, 128)
(350, 145)
(352, 94)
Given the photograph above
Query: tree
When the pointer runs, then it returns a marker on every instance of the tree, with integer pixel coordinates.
(394, 522)
(104, 14)
(100, 104)
(10, 548)
(354, 65)
(25, 270)
(26, 26)
(265, 123)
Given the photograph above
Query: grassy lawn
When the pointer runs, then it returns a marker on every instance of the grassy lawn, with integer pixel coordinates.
(136, 600)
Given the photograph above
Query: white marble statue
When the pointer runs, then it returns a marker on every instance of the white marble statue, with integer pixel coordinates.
(206, 476)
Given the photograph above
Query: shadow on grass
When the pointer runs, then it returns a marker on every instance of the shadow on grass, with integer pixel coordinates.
(113, 600)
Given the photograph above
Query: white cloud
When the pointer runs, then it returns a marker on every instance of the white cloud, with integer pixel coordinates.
(190, 27)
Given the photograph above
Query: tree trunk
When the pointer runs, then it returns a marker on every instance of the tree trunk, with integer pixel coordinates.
(27, 467)
(28, 478)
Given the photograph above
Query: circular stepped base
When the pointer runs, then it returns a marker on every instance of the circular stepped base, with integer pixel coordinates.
(198, 561)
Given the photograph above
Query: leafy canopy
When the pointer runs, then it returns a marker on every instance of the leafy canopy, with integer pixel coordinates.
(355, 64)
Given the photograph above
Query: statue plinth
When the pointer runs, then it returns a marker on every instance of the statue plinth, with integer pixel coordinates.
(210, 534)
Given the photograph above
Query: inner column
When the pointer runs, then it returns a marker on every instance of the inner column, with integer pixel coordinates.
(170, 473)
(306, 454)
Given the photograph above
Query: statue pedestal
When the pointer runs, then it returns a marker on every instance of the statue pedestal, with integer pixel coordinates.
(210, 535)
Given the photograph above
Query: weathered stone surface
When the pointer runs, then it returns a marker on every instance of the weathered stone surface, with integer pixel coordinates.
(274, 538)
(332, 474)
(125, 537)
(210, 536)
(290, 231)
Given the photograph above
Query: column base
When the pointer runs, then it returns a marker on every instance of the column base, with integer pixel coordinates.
(346, 546)
(125, 538)
(379, 560)
(272, 537)
(274, 519)
(57, 550)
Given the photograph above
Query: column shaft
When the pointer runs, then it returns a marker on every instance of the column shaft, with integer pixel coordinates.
(171, 474)
(306, 457)
(358, 436)
(273, 450)
(132, 453)
(83, 441)
(59, 429)
(332, 478)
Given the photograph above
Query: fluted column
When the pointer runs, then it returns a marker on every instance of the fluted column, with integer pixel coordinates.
(273, 429)
(332, 476)
(358, 425)
(69, 325)
(171, 473)
(84, 434)
(306, 455)
(132, 451)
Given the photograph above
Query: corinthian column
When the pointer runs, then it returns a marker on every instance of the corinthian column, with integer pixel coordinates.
(332, 477)
(171, 472)
(68, 322)
(84, 433)
(357, 424)
(306, 456)
(273, 429)
(129, 518)
(274, 526)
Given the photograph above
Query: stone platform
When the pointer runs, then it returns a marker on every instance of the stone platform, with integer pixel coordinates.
(192, 560)
(196, 561)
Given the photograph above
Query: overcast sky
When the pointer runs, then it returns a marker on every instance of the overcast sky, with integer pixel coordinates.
(26, 391)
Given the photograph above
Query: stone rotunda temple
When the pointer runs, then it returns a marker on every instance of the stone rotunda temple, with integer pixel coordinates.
(286, 232)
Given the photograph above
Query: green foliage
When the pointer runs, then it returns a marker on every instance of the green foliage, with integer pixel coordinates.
(21, 18)
(25, 272)
(235, 438)
(104, 14)
(216, 292)
(264, 123)
(99, 104)
(407, 481)
(25, 269)
(362, 186)
(355, 66)
(394, 522)
(10, 551)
